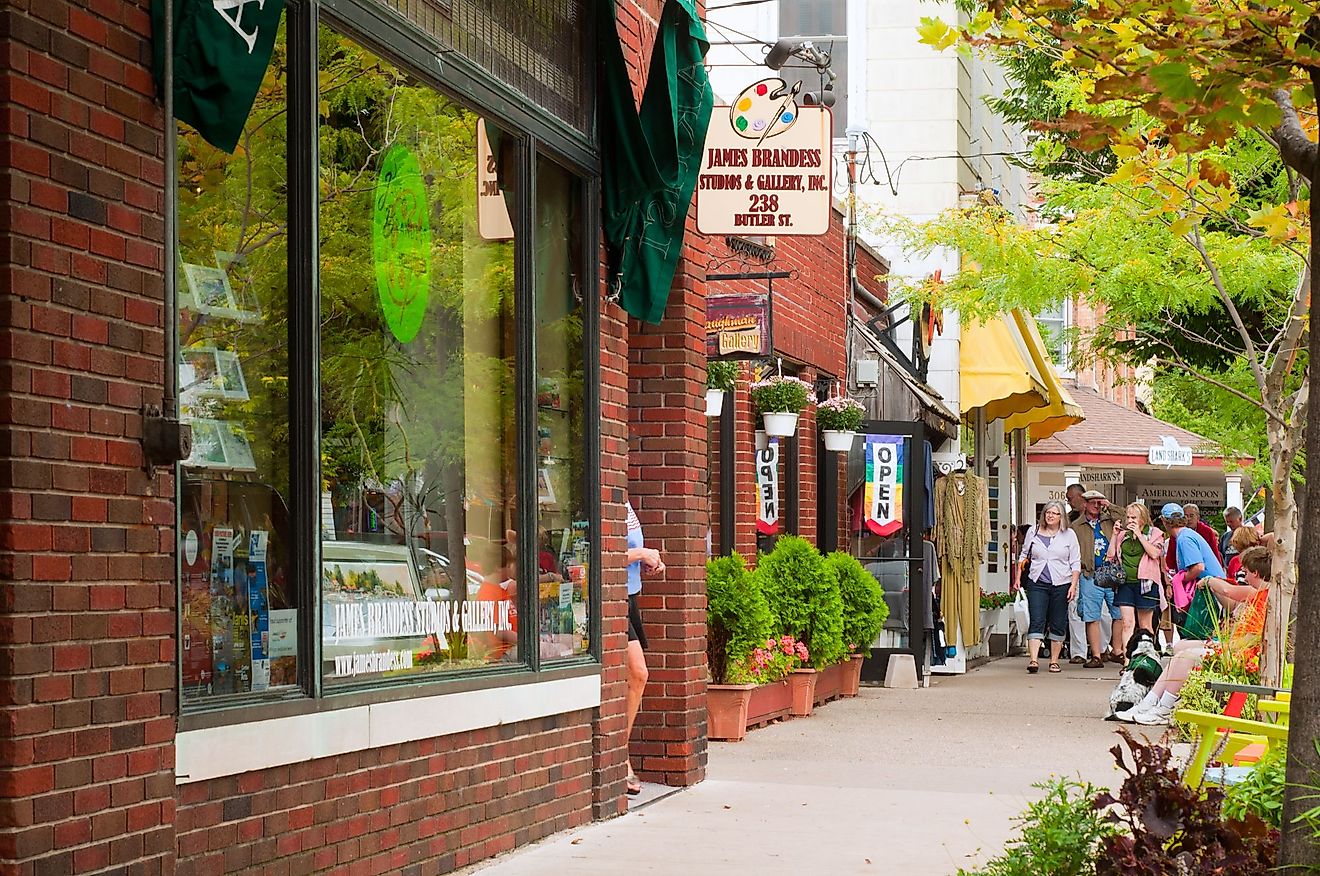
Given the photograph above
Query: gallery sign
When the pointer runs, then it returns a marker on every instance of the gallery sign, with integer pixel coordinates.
(738, 325)
(767, 165)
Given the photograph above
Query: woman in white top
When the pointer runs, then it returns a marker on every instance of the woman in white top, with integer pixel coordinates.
(1053, 561)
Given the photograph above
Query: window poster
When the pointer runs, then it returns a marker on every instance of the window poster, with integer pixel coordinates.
(259, 608)
(196, 610)
(224, 601)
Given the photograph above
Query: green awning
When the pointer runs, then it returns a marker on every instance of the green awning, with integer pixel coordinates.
(650, 158)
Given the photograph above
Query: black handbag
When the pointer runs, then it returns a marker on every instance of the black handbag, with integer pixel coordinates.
(1110, 576)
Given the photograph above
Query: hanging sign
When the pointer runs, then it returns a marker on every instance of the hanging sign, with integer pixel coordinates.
(767, 490)
(1096, 476)
(766, 166)
(493, 221)
(1169, 453)
(738, 325)
(884, 484)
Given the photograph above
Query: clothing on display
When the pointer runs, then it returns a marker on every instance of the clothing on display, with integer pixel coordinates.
(962, 528)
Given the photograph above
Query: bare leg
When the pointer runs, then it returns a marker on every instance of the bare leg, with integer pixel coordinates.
(1124, 629)
(1093, 638)
(1146, 619)
(1033, 650)
(635, 659)
(1056, 648)
(1187, 656)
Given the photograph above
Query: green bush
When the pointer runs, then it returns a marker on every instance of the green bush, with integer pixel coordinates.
(721, 375)
(737, 617)
(864, 608)
(804, 599)
(1059, 835)
(1261, 792)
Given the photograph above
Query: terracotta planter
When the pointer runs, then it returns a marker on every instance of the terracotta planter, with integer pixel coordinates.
(852, 676)
(829, 684)
(726, 710)
(803, 685)
(769, 702)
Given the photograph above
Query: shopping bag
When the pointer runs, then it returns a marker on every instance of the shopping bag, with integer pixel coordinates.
(1021, 613)
(1202, 616)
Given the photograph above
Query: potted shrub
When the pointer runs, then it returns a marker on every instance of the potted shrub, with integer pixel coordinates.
(779, 683)
(804, 603)
(864, 613)
(780, 400)
(838, 420)
(720, 378)
(737, 622)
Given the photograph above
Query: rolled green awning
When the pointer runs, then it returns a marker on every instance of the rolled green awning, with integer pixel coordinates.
(650, 157)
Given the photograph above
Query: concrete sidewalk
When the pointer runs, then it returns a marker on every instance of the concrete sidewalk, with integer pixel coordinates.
(917, 783)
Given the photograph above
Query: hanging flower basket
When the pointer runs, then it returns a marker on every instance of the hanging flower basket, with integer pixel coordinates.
(721, 377)
(779, 424)
(839, 419)
(780, 400)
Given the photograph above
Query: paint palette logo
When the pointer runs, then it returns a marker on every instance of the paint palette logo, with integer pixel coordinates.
(764, 109)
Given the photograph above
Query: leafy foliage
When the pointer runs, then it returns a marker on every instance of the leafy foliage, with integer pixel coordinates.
(737, 616)
(1261, 792)
(1169, 829)
(804, 599)
(1059, 835)
(721, 374)
(864, 608)
(768, 663)
(786, 395)
(840, 414)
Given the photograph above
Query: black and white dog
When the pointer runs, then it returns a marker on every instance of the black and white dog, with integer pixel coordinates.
(1142, 671)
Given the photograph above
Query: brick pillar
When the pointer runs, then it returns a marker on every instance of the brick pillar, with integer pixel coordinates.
(744, 480)
(806, 473)
(87, 675)
(668, 470)
(610, 747)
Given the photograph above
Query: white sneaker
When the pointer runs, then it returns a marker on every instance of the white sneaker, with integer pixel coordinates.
(1158, 716)
(1128, 716)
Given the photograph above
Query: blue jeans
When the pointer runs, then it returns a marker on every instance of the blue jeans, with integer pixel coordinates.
(1091, 600)
(1048, 607)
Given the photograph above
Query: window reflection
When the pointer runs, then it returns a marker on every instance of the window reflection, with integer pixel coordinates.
(237, 600)
(419, 532)
(563, 526)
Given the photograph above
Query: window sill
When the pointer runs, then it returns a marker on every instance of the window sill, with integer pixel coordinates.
(231, 749)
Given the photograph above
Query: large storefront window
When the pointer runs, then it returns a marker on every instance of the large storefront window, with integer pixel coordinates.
(418, 440)
(239, 608)
(439, 441)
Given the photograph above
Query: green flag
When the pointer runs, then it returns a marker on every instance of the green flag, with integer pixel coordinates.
(650, 159)
(221, 50)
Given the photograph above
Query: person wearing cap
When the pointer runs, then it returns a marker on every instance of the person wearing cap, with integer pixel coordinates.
(1095, 531)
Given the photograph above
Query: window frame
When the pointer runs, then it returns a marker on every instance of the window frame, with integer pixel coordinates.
(1064, 366)
(389, 35)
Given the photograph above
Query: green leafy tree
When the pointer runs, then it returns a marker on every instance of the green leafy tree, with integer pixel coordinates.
(864, 608)
(737, 615)
(1169, 81)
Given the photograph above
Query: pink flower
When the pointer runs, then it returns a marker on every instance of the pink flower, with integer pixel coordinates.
(769, 643)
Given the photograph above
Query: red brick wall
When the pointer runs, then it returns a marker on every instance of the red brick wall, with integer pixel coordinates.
(1116, 384)
(809, 330)
(86, 609)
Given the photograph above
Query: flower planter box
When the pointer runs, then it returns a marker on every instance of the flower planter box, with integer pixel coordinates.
(829, 684)
(726, 710)
(802, 683)
(852, 675)
(769, 703)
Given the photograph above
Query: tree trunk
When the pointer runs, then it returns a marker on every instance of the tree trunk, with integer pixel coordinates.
(1299, 848)
(1284, 586)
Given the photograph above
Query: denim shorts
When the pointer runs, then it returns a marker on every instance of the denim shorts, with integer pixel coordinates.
(1142, 595)
(1091, 600)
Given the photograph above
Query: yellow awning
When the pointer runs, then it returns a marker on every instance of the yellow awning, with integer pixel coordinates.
(1061, 411)
(996, 371)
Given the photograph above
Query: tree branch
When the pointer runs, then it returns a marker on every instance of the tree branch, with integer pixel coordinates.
(1290, 339)
(1179, 362)
(1253, 356)
(1295, 146)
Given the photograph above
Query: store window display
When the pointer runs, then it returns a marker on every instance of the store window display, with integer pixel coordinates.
(448, 479)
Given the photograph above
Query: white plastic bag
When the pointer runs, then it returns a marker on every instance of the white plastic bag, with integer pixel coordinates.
(1021, 612)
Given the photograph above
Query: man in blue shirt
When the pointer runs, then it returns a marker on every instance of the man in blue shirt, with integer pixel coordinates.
(1196, 558)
